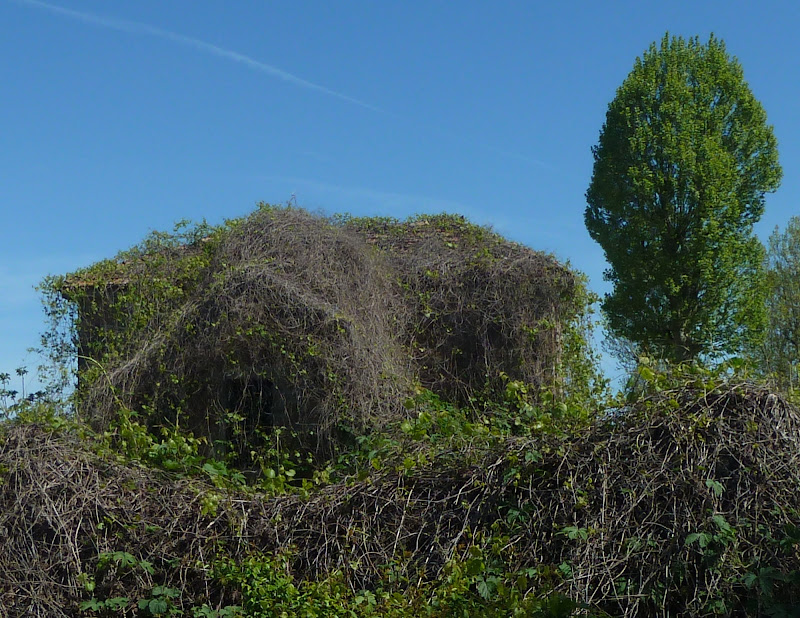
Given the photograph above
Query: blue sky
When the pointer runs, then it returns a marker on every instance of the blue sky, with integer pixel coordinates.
(121, 118)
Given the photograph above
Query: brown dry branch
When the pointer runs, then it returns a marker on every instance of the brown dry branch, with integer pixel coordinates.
(637, 486)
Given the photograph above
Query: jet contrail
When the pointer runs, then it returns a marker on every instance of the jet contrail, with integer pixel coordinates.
(134, 27)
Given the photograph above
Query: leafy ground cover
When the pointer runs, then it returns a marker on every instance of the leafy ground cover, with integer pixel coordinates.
(680, 500)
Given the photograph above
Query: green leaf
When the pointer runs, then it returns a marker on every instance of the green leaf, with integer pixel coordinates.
(647, 374)
(116, 604)
(715, 486)
(157, 607)
(92, 604)
(575, 533)
(723, 525)
(533, 456)
(692, 538)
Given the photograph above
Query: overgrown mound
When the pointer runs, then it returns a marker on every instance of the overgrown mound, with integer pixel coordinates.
(322, 325)
(689, 504)
(686, 504)
(480, 306)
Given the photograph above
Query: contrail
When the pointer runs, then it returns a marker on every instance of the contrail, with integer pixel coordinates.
(134, 27)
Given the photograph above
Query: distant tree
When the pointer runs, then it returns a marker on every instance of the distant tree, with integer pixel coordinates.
(778, 355)
(680, 171)
(627, 353)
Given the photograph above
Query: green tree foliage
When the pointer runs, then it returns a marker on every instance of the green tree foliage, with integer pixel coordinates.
(779, 352)
(680, 171)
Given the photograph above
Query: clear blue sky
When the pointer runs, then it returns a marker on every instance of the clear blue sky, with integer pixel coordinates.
(120, 118)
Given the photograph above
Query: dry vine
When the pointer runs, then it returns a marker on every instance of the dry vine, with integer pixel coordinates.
(332, 322)
(638, 486)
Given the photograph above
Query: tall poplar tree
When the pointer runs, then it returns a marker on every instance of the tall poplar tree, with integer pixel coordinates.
(680, 171)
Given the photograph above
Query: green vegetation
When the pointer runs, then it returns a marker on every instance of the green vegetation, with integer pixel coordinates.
(680, 171)
(681, 499)
(779, 352)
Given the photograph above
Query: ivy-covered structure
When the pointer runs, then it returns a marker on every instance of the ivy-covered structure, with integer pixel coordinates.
(323, 325)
